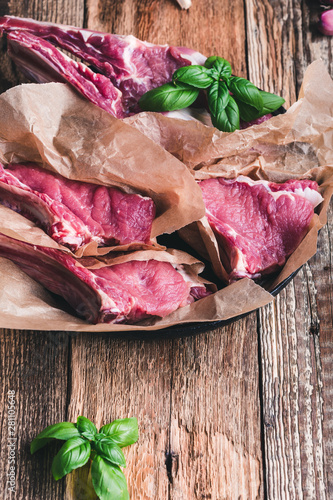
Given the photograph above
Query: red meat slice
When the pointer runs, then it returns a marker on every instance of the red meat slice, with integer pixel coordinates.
(258, 224)
(126, 292)
(73, 212)
(130, 66)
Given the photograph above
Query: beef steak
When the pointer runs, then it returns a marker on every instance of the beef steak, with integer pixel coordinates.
(126, 292)
(74, 213)
(122, 68)
(258, 224)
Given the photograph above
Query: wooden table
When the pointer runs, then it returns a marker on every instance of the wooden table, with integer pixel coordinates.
(242, 412)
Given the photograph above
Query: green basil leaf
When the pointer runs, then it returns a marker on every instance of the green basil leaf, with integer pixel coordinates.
(221, 66)
(245, 91)
(218, 97)
(248, 113)
(73, 454)
(107, 449)
(271, 102)
(197, 76)
(108, 480)
(63, 430)
(86, 427)
(168, 97)
(123, 432)
(227, 119)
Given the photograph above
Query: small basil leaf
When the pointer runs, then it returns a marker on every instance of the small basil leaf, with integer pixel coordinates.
(245, 91)
(108, 480)
(73, 454)
(197, 76)
(123, 432)
(63, 430)
(248, 113)
(86, 427)
(218, 97)
(271, 102)
(168, 97)
(221, 66)
(107, 449)
(227, 120)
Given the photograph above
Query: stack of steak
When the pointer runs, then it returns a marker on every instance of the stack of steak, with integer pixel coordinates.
(74, 213)
(257, 225)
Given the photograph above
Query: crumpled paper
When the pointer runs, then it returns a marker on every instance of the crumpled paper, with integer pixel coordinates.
(160, 157)
(297, 144)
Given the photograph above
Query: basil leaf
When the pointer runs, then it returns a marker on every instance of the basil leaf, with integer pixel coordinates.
(168, 97)
(218, 97)
(63, 430)
(221, 66)
(123, 432)
(73, 454)
(227, 119)
(197, 76)
(86, 427)
(248, 113)
(108, 450)
(271, 102)
(245, 91)
(108, 480)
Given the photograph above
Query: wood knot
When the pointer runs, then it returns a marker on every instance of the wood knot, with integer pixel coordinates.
(171, 464)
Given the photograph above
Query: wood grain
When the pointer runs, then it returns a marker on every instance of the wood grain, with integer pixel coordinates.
(215, 415)
(34, 365)
(296, 333)
(197, 403)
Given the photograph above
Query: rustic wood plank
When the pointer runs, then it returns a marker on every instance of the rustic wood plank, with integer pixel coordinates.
(271, 46)
(296, 330)
(215, 415)
(34, 365)
(315, 46)
(196, 400)
(115, 378)
(292, 393)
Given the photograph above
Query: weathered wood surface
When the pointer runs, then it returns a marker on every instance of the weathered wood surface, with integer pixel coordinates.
(241, 412)
(296, 331)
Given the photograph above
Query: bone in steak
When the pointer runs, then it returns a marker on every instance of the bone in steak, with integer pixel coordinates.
(258, 224)
(128, 67)
(74, 213)
(127, 292)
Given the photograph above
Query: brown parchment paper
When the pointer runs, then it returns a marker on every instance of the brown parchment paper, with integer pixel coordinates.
(297, 144)
(52, 125)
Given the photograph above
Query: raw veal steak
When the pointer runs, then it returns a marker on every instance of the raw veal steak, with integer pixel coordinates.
(74, 213)
(126, 292)
(258, 224)
(126, 66)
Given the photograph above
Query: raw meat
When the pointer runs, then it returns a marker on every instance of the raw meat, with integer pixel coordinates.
(258, 224)
(127, 292)
(74, 213)
(128, 67)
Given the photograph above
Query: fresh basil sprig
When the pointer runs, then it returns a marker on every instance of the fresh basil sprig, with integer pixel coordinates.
(230, 98)
(84, 442)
